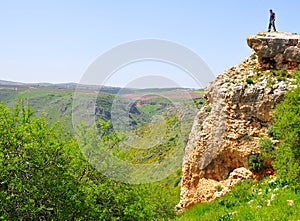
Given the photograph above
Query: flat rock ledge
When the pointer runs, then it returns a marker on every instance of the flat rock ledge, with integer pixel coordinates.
(276, 50)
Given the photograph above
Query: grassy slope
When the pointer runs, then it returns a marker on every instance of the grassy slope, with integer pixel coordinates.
(266, 200)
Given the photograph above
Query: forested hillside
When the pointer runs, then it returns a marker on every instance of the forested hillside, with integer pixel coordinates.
(45, 175)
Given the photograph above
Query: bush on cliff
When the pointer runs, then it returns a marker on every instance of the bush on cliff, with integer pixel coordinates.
(286, 128)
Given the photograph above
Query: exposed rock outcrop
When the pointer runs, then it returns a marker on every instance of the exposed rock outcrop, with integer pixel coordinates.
(228, 128)
(276, 50)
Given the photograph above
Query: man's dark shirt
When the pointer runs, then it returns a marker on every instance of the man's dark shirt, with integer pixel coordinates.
(272, 16)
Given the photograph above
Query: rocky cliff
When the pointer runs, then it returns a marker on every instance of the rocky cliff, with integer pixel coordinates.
(276, 50)
(236, 116)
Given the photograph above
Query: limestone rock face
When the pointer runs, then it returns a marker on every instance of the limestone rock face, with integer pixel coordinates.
(276, 50)
(228, 128)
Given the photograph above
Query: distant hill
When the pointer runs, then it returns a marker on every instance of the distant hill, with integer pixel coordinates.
(56, 100)
(10, 83)
(71, 86)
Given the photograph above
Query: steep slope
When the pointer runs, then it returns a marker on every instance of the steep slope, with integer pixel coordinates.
(237, 114)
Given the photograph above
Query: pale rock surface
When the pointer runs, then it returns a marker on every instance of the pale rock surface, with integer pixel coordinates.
(276, 50)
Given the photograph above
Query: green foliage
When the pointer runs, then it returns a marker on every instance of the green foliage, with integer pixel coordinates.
(273, 76)
(226, 217)
(279, 78)
(243, 191)
(35, 181)
(255, 70)
(208, 109)
(44, 176)
(199, 102)
(282, 73)
(266, 147)
(286, 127)
(162, 100)
(150, 109)
(255, 162)
(271, 132)
(249, 81)
(113, 200)
(253, 56)
(218, 188)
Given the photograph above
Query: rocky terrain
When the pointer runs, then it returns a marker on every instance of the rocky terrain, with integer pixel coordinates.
(276, 50)
(236, 116)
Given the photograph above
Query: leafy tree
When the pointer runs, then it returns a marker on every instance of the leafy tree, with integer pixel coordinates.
(34, 179)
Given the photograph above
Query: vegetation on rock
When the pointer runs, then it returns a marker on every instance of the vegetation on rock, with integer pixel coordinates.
(286, 128)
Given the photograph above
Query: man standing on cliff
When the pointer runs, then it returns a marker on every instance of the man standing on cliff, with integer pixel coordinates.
(272, 21)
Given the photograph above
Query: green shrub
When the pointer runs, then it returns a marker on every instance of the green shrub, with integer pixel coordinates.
(255, 162)
(253, 56)
(271, 132)
(279, 78)
(249, 81)
(199, 102)
(280, 73)
(270, 83)
(255, 70)
(228, 203)
(218, 188)
(266, 148)
(208, 109)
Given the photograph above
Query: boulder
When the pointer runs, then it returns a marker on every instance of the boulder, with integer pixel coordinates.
(292, 53)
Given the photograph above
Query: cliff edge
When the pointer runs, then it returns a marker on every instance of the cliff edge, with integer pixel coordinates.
(236, 116)
(276, 50)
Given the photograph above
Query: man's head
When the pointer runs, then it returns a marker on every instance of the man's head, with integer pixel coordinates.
(271, 11)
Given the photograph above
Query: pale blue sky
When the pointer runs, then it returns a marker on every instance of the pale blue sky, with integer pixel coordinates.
(55, 41)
